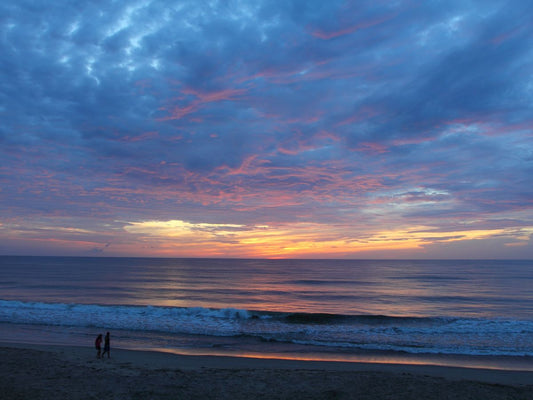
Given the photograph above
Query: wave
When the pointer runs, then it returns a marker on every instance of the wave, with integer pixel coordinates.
(325, 318)
(450, 335)
(127, 316)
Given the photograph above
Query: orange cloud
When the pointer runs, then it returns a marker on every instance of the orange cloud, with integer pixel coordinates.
(181, 238)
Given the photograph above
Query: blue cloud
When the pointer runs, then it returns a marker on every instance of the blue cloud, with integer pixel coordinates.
(291, 110)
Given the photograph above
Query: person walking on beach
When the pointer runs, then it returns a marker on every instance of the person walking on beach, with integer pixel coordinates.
(98, 345)
(106, 346)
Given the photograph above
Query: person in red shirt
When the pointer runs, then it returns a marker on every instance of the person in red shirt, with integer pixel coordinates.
(98, 345)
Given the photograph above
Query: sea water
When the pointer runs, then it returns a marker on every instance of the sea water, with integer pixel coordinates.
(452, 312)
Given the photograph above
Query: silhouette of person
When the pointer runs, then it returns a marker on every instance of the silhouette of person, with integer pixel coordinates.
(98, 345)
(106, 346)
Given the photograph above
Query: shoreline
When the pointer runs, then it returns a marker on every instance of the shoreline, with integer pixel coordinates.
(38, 371)
(154, 359)
(49, 336)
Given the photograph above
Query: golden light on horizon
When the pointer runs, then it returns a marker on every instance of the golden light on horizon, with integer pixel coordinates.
(177, 237)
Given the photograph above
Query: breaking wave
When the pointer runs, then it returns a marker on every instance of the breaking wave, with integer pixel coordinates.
(446, 335)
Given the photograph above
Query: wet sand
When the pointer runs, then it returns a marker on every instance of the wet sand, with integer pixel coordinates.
(67, 372)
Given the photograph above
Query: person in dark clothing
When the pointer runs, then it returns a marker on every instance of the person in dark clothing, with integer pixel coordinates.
(106, 346)
(98, 346)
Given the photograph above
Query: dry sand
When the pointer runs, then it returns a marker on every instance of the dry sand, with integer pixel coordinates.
(61, 372)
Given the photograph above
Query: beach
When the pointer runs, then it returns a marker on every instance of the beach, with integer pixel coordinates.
(73, 372)
(265, 329)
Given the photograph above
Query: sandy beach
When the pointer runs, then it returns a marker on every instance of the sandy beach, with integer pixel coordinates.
(66, 372)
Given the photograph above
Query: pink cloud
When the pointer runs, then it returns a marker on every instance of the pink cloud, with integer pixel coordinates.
(362, 114)
(507, 35)
(328, 135)
(321, 34)
(220, 95)
(300, 143)
(372, 148)
(413, 140)
(143, 136)
(200, 98)
(179, 112)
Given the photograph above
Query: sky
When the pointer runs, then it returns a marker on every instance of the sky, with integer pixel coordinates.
(267, 129)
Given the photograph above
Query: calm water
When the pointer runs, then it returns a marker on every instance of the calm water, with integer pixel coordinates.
(333, 309)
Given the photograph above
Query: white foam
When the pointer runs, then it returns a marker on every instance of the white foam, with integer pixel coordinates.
(432, 335)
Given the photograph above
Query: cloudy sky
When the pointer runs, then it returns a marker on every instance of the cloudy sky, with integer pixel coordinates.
(248, 128)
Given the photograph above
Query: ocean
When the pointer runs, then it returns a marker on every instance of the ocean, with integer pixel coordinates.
(443, 312)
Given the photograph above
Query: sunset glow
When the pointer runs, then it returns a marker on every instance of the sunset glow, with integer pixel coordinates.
(267, 129)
